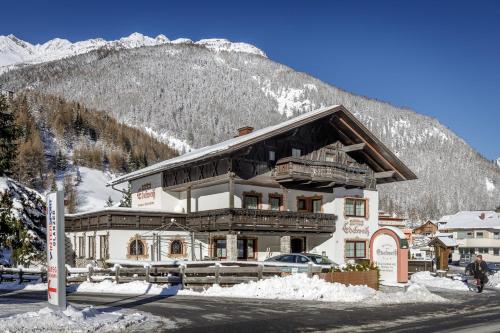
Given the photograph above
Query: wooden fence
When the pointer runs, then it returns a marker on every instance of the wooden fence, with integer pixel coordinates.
(189, 275)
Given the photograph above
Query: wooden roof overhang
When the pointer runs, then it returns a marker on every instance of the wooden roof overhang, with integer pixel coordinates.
(359, 142)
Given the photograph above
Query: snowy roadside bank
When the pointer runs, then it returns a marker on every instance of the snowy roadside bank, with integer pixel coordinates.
(300, 287)
(87, 319)
(292, 287)
(426, 279)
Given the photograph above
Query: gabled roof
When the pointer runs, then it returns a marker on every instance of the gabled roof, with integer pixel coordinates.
(485, 219)
(443, 241)
(351, 130)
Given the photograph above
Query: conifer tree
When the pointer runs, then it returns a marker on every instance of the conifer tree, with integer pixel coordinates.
(109, 202)
(9, 133)
(126, 200)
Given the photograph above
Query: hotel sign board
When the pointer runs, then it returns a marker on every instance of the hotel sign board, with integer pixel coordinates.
(56, 277)
(389, 251)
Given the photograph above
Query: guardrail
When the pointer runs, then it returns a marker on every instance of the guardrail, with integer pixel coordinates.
(194, 274)
(22, 274)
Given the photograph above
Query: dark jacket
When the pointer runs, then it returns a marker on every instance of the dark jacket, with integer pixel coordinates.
(479, 270)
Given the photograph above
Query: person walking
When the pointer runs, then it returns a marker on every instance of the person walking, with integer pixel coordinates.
(479, 269)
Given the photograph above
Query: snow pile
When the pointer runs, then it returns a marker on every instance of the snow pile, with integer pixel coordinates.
(427, 280)
(300, 287)
(87, 320)
(129, 288)
(494, 280)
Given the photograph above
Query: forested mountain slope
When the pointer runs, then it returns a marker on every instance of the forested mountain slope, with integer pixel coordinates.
(200, 96)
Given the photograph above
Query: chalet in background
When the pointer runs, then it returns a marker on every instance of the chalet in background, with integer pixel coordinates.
(308, 184)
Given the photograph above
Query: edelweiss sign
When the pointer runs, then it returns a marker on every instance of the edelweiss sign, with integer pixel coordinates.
(56, 277)
(356, 227)
(389, 251)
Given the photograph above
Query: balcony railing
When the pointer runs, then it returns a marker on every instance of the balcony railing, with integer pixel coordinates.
(297, 169)
(260, 220)
(210, 220)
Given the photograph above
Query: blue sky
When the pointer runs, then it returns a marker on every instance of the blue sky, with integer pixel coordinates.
(440, 58)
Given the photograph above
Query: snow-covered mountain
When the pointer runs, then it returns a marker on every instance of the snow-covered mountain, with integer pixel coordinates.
(187, 93)
(14, 51)
(498, 162)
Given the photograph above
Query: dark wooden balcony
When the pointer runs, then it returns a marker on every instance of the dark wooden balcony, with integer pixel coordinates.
(210, 220)
(240, 219)
(298, 171)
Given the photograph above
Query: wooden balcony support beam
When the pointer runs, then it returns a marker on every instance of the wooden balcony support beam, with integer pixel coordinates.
(385, 174)
(354, 147)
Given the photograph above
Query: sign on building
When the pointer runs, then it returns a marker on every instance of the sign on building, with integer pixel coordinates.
(56, 277)
(389, 251)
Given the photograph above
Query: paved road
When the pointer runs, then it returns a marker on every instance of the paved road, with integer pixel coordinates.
(467, 312)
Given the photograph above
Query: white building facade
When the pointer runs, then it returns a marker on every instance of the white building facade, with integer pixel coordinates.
(306, 185)
(475, 232)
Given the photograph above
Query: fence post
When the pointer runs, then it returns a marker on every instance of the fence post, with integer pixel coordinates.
(182, 270)
(217, 276)
(148, 268)
(117, 274)
(260, 271)
(20, 275)
(90, 270)
(309, 270)
(43, 274)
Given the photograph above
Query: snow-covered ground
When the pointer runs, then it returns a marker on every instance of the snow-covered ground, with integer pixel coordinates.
(88, 319)
(129, 288)
(427, 280)
(92, 191)
(300, 287)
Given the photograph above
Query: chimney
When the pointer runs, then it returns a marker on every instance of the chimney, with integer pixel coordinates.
(482, 216)
(245, 130)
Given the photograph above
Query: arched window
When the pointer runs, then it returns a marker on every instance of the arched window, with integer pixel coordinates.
(176, 247)
(136, 247)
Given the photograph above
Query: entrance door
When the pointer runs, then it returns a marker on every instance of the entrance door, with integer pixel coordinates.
(297, 245)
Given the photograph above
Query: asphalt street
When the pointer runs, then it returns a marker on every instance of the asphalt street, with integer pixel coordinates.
(466, 312)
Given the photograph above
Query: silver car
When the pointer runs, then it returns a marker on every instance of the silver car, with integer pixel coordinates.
(303, 258)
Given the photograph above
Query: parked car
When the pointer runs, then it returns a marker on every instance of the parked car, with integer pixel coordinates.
(303, 258)
(493, 267)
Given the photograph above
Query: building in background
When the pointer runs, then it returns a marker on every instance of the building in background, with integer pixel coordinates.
(305, 185)
(475, 232)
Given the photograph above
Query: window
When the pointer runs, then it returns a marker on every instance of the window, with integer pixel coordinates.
(496, 251)
(176, 247)
(81, 247)
(287, 258)
(246, 248)
(479, 234)
(91, 247)
(496, 235)
(250, 201)
(103, 246)
(355, 207)
(275, 202)
(469, 234)
(461, 234)
(220, 248)
(296, 152)
(136, 247)
(316, 205)
(355, 249)
(301, 205)
(272, 155)
(329, 157)
(482, 250)
(309, 204)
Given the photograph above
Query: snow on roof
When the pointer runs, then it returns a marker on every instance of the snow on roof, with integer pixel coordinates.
(472, 220)
(397, 231)
(447, 241)
(217, 148)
